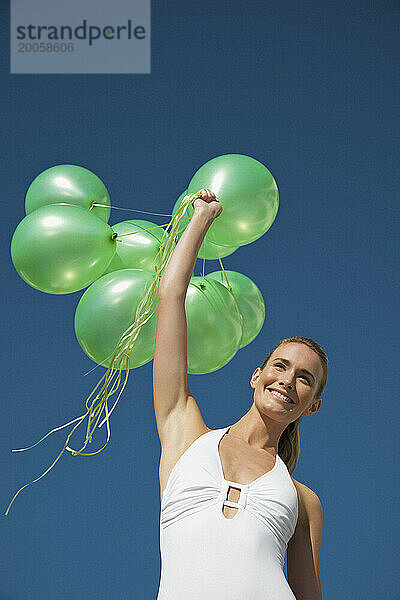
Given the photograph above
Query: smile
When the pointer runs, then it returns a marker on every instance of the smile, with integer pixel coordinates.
(280, 396)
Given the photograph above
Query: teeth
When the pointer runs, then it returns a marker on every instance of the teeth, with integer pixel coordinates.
(279, 395)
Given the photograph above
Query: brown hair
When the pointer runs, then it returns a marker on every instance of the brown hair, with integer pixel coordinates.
(289, 442)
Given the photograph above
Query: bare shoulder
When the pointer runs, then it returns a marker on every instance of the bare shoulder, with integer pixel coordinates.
(309, 503)
(306, 493)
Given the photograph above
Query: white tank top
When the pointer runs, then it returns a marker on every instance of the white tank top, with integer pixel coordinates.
(205, 555)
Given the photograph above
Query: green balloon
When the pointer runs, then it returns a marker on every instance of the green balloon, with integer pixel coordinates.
(208, 249)
(107, 309)
(214, 325)
(138, 250)
(68, 184)
(61, 248)
(248, 194)
(249, 300)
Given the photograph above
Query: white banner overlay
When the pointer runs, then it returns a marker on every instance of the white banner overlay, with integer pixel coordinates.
(76, 36)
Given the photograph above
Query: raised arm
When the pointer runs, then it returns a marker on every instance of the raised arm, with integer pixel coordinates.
(177, 415)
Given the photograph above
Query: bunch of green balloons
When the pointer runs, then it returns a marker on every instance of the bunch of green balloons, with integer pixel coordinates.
(65, 244)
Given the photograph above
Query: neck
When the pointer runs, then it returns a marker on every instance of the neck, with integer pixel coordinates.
(258, 431)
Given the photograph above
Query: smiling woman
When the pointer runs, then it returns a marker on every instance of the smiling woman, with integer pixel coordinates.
(289, 442)
(229, 506)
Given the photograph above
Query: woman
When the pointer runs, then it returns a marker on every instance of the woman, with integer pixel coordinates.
(229, 507)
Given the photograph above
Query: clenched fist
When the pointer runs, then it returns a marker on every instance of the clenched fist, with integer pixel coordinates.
(207, 202)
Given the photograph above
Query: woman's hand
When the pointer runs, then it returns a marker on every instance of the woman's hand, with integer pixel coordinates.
(208, 202)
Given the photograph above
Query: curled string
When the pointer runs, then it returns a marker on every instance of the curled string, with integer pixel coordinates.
(121, 357)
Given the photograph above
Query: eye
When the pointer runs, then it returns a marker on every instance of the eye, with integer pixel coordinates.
(279, 365)
(306, 379)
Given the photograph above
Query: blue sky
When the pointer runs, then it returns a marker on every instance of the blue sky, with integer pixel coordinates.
(309, 89)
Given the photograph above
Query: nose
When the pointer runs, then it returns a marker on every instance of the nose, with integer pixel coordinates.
(286, 383)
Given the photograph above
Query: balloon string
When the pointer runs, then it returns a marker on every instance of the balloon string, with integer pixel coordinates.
(47, 470)
(121, 357)
(131, 209)
(148, 229)
(226, 278)
(66, 447)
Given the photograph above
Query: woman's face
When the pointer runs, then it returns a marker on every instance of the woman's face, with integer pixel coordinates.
(287, 386)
